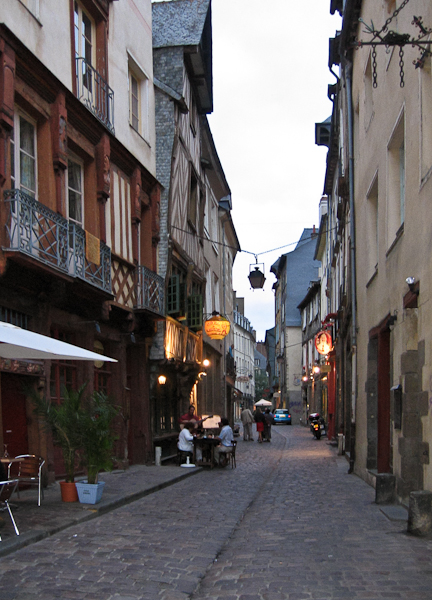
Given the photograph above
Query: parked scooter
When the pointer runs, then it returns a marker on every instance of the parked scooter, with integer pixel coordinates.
(317, 425)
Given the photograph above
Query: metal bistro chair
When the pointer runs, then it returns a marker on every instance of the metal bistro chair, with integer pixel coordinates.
(7, 488)
(30, 472)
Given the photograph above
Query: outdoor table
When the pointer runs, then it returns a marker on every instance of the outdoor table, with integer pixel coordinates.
(7, 460)
(207, 445)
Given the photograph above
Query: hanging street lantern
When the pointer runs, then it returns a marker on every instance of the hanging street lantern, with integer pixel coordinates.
(217, 327)
(256, 277)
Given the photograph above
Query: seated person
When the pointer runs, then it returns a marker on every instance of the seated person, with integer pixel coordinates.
(185, 441)
(226, 438)
(190, 417)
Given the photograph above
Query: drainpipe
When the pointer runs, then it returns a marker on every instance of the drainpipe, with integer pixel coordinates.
(348, 71)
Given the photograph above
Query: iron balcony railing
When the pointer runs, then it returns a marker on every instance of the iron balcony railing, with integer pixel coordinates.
(98, 275)
(37, 231)
(150, 293)
(95, 93)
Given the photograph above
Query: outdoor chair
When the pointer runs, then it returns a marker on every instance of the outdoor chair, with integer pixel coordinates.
(30, 472)
(7, 488)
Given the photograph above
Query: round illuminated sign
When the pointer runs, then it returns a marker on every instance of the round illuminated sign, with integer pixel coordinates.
(323, 342)
(217, 327)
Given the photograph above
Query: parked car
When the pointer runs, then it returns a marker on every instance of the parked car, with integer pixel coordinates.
(282, 416)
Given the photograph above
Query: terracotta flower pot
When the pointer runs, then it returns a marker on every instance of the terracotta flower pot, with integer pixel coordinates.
(68, 491)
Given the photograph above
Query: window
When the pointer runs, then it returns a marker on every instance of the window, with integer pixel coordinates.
(396, 181)
(372, 227)
(193, 202)
(426, 118)
(23, 155)
(84, 38)
(138, 99)
(368, 102)
(75, 191)
(84, 34)
(63, 372)
(134, 102)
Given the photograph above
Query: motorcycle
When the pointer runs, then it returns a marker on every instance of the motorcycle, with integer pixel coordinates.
(317, 425)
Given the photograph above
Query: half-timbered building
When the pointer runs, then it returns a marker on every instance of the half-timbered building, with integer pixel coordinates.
(195, 202)
(79, 214)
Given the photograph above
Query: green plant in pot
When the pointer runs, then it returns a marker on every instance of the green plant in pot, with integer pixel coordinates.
(63, 421)
(97, 441)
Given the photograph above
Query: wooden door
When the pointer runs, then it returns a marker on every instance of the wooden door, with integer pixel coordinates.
(14, 415)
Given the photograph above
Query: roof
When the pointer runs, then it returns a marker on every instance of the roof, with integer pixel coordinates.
(185, 25)
(179, 22)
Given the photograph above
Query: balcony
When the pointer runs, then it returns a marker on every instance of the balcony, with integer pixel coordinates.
(38, 232)
(181, 343)
(150, 292)
(94, 92)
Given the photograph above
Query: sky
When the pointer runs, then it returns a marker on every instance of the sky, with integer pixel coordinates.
(270, 79)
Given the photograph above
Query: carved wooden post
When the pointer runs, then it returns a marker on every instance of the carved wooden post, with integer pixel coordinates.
(7, 91)
(103, 177)
(59, 146)
(136, 191)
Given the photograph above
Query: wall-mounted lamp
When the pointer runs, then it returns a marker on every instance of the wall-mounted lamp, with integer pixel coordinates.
(412, 285)
(206, 363)
(162, 380)
(202, 374)
(316, 370)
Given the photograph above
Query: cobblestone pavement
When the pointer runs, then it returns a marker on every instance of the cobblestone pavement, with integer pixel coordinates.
(288, 523)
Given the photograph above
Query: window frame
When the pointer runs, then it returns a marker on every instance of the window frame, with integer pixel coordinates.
(15, 150)
(73, 158)
(136, 72)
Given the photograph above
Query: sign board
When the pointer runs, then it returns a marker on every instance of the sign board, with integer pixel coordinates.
(323, 342)
(325, 368)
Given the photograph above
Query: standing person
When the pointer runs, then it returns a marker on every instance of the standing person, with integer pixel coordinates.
(247, 420)
(259, 420)
(226, 438)
(268, 422)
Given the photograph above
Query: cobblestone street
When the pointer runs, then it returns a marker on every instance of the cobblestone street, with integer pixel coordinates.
(288, 523)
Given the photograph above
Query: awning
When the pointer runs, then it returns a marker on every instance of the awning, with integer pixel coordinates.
(17, 343)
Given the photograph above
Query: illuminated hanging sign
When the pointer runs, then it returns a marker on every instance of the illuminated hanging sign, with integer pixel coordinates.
(217, 327)
(323, 342)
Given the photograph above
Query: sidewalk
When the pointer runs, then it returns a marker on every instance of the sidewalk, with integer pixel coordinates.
(122, 487)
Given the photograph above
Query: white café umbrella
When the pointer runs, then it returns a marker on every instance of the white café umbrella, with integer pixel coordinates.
(263, 402)
(17, 343)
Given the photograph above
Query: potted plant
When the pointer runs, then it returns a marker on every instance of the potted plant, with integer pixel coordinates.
(64, 422)
(97, 440)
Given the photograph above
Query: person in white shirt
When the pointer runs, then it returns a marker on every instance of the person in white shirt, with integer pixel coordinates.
(226, 438)
(185, 441)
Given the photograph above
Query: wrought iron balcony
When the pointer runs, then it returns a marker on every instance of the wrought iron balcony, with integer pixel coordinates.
(80, 266)
(95, 93)
(150, 293)
(37, 231)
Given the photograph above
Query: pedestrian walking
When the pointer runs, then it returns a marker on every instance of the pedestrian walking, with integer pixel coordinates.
(259, 420)
(247, 421)
(268, 422)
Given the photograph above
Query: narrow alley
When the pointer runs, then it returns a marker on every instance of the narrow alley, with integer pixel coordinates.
(288, 523)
